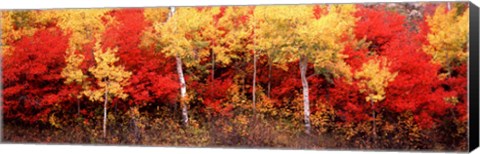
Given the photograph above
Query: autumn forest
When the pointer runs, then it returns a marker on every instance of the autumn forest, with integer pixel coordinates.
(330, 76)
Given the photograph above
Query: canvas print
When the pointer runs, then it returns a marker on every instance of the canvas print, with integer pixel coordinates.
(376, 76)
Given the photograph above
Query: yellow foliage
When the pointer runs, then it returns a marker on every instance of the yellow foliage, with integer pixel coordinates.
(324, 117)
(448, 36)
(286, 32)
(179, 35)
(6, 26)
(374, 78)
(327, 40)
(10, 34)
(54, 122)
(225, 44)
(110, 78)
(279, 27)
(72, 71)
(83, 23)
(155, 14)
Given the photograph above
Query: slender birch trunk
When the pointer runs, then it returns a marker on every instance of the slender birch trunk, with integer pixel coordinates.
(183, 90)
(105, 112)
(183, 87)
(306, 103)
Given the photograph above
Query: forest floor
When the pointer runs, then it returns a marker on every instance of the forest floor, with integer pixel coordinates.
(157, 135)
(259, 136)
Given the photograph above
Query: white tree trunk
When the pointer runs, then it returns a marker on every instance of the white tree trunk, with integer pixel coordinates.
(306, 104)
(105, 112)
(183, 90)
(183, 86)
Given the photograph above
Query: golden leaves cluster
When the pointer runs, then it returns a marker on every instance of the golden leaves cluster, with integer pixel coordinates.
(14, 25)
(234, 37)
(374, 77)
(286, 32)
(83, 23)
(179, 35)
(448, 37)
(72, 71)
(110, 78)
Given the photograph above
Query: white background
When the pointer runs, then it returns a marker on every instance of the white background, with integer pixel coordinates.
(84, 149)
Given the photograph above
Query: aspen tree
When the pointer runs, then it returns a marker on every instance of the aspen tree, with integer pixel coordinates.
(374, 77)
(178, 36)
(300, 37)
(448, 37)
(110, 79)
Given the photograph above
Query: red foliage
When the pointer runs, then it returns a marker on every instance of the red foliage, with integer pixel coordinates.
(154, 78)
(319, 11)
(31, 75)
(350, 104)
(217, 17)
(33, 85)
(355, 58)
(126, 35)
(215, 99)
(416, 88)
(283, 83)
(456, 85)
(380, 26)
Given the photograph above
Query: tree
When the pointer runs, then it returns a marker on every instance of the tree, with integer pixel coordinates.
(230, 37)
(416, 88)
(179, 38)
(110, 79)
(34, 61)
(447, 43)
(74, 76)
(268, 41)
(448, 37)
(14, 26)
(152, 77)
(304, 44)
(230, 46)
(374, 78)
(83, 25)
